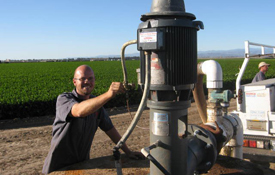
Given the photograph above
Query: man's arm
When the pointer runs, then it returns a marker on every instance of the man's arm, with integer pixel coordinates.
(90, 106)
(115, 137)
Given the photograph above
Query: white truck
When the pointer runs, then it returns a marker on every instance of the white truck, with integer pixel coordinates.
(257, 112)
(256, 109)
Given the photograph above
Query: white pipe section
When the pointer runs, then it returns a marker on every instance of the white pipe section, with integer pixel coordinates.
(235, 145)
(239, 78)
(262, 50)
(237, 141)
(257, 44)
(213, 72)
(246, 48)
(242, 70)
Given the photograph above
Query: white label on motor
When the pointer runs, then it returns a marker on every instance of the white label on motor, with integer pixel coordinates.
(148, 37)
(160, 125)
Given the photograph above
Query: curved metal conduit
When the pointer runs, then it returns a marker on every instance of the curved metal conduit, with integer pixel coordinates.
(125, 82)
(141, 105)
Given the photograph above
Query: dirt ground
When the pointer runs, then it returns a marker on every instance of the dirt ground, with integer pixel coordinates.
(24, 144)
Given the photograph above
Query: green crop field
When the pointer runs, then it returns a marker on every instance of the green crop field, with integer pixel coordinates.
(231, 68)
(30, 89)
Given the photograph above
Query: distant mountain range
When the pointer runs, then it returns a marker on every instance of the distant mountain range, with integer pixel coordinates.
(221, 53)
(234, 53)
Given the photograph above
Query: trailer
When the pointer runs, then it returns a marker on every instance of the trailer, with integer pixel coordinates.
(257, 112)
(256, 108)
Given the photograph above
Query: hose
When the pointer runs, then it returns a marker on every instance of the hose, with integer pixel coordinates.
(125, 81)
(139, 111)
(199, 97)
(142, 103)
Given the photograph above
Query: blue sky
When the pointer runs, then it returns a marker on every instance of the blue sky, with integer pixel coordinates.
(51, 29)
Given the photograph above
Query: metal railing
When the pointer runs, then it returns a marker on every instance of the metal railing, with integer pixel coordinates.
(246, 60)
(263, 46)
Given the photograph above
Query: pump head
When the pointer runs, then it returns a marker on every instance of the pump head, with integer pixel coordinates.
(167, 9)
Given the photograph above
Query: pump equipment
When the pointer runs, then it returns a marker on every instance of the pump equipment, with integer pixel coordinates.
(169, 35)
(167, 41)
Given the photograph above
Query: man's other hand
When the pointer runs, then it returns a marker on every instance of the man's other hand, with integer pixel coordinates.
(136, 155)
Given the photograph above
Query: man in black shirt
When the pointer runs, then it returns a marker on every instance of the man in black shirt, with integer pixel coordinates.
(78, 115)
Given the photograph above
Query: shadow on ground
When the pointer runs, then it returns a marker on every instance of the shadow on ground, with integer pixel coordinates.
(106, 165)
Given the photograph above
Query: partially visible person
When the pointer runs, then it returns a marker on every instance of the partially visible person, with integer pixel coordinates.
(260, 76)
(78, 115)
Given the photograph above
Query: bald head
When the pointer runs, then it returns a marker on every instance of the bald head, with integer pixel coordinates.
(84, 80)
(82, 69)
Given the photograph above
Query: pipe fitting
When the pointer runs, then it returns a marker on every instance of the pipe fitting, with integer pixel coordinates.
(224, 96)
(213, 72)
(202, 149)
(214, 113)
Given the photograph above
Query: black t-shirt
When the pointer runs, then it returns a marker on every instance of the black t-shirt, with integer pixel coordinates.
(72, 137)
